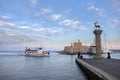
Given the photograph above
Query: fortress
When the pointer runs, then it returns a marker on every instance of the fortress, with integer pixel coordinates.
(75, 48)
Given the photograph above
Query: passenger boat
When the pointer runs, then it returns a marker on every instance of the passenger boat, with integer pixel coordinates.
(36, 52)
(92, 50)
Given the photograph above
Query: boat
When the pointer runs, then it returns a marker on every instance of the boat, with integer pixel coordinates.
(92, 50)
(36, 52)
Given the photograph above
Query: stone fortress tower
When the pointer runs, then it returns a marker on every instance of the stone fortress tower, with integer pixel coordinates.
(75, 48)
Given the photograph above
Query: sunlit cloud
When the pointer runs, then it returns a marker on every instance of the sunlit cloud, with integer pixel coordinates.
(55, 17)
(24, 27)
(70, 22)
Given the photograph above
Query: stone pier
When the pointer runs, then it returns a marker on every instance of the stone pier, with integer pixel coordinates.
(104, 69)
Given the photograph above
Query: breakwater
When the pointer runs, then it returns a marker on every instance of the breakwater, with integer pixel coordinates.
(106, 69)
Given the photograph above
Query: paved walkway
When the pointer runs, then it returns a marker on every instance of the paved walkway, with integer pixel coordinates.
(111, 66)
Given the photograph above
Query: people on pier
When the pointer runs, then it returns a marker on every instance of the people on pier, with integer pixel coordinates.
(48, 53)
(80, 55)
(108, 55)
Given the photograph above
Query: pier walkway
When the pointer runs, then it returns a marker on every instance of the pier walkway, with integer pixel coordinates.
(104, 69)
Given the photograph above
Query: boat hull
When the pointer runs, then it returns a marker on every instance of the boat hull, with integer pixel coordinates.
(36, 54)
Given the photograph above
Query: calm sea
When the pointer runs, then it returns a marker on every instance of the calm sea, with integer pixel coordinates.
(13, 66)
(55, 67)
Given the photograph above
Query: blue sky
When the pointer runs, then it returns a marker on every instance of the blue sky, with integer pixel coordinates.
(54, 24)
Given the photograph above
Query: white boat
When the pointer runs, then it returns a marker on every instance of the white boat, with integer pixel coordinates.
(92, 50)
(36, 52)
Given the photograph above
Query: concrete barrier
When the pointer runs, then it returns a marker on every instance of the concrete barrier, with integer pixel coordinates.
(94, 73)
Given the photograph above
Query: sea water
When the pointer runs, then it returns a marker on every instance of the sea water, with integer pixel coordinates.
(55, 67)
(16, 66)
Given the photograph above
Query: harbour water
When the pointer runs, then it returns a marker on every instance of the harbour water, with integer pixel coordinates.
(54, 67)
(13, 66)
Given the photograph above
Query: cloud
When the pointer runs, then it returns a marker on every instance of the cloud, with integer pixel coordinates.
(46, 10)
(70, 22)
(93, 8)
(9, 34)
(5, 17)
(115, 23)
(34, 28)
(55, 17)
(15, 25)
(13, 28)
(43, 12)
(2, 23)
(33, 2)
(48, 30)
(10, 38)
(37, 14)
(24, 27)
(30, 10)
(5, 29)
(83, 28)
(40, 29)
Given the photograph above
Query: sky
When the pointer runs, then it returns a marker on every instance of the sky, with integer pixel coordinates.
(54, 24)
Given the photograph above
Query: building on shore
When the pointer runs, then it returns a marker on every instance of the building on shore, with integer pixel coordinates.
(75, 48)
